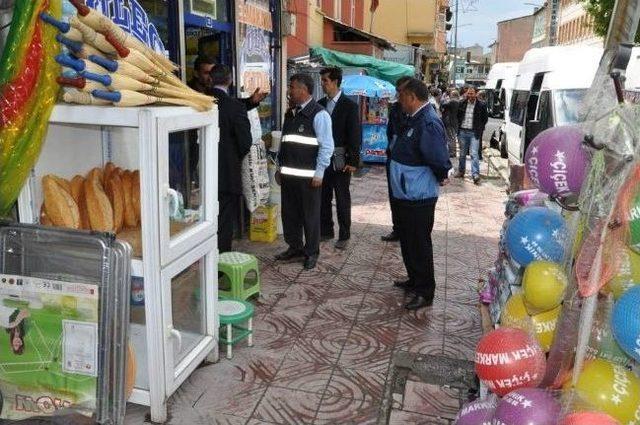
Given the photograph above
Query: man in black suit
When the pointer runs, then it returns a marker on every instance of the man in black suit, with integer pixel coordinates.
(235, 143)
(472, 118)
(345, 127)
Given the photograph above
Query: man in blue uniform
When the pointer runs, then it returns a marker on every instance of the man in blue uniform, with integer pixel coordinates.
(419, 163)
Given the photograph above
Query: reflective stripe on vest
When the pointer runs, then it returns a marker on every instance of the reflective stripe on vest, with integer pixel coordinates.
(296, 138)
(297, 172)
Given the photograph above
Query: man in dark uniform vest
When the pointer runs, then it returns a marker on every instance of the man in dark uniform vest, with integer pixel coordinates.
(345, 122)
(305, 153)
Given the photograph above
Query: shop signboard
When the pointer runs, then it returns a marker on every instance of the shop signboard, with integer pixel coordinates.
(255, 63)
(128, 15)
(374, 143)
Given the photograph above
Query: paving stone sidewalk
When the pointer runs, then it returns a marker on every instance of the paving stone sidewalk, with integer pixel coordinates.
(325, 339)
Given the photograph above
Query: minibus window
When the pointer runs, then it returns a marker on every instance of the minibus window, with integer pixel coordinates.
(567, 105)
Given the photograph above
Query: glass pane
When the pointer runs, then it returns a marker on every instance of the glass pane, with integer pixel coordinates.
(184, 203)
(188, 315)
(138, 332)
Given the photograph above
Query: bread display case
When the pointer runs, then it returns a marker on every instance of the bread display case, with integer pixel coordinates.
(149, 175)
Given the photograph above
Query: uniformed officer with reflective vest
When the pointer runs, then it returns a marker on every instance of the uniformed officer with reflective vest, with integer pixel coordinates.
(305, 152)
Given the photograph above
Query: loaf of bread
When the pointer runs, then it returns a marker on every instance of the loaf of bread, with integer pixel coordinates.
(59, 205)
(136, 195)
(44, 219)
(109, 168)
(129, 210)
(99, 208)
(134, 237)
(64, 183)
(115, 193)
(77, 191)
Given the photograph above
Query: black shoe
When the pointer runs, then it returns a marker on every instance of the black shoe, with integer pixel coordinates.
(324, 238)
(310, 262)
(419, 301)
(476, 180)
(391, 237)
(289, 254)
(342, 244)
(407, 285)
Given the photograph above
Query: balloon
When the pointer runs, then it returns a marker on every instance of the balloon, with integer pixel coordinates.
(628, 275)
(544, 325)
(514, 314)
(634, 222)
(612, 389)
(527, 406)
(536, 233)
(478, 412)
(602, 343)
(625, 322)
(508, 359)
(543, 286)
(556, 161)
(589, 418)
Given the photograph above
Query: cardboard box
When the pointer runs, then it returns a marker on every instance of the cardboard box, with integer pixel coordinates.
(264, 224)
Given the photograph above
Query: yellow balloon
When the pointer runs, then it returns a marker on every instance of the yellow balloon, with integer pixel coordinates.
(514, 314)
(543, 286)
(544, 325)
(612, 389)
(628, 274)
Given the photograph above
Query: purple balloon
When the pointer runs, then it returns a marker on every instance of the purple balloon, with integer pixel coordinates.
(477, 412)
(527, 406)
(556, 161)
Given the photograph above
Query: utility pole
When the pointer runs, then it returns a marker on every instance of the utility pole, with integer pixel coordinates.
(455, 47)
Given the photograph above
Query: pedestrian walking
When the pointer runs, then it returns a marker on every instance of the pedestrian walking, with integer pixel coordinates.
(305, 152)
(345, 160)
(450, 120)
(235, 143)
(472, 116)
(419, 164)
(394, 126)
(434, 99)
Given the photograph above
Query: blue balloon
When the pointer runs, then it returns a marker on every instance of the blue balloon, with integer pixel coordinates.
(625, 322)
(536, 234)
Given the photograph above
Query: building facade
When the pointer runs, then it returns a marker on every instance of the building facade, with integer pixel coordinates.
(541, 26)
(514, 38)
(575, 26)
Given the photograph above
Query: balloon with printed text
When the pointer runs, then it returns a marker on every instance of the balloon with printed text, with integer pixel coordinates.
(625, 322)
(508, 359)
(535, 234)
(527, 406)
(477, 412)
(556, 161)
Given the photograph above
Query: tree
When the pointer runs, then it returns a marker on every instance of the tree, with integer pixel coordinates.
(601, 11)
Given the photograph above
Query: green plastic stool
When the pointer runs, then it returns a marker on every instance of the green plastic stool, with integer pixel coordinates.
(236, 266)
(232, 313)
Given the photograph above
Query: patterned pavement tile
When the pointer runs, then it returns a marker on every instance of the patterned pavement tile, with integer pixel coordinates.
(383, 308)
(354, 284)
(249, 367)
(290, 271)
(286, 406)
(460, 347)
(316, 351)
(341, 309)
(372, 357)
(427, 343)
(329, 330)
(360, 270)
(398, 417)
(233, 398)
(345, 411)
(356, 384)
(303, 294)
(367, 334)
(303, 376)
(428, 399)
(281, 322)
(316, 278)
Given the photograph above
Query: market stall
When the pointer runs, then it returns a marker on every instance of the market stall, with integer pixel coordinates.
(114, 162)
(373, 96)
(563, 295)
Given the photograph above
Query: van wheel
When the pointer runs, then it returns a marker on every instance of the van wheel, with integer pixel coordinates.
(504, 153)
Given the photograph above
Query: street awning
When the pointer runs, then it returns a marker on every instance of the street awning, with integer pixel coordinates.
(380, 42)
(384, 70)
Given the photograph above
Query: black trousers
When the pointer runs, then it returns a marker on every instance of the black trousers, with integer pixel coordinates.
(336, 182)
(394, 214)
(415, 224)
(301, 214)
(228, 204)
